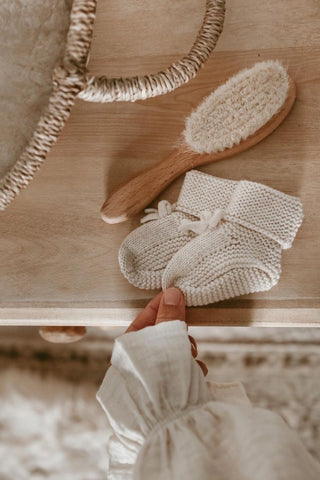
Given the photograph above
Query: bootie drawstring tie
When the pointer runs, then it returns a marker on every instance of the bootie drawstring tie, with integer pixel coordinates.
(164, 208)
(207, 221)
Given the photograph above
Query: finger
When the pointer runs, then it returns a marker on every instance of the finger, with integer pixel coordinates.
(148, 316)
(203, 367)
(172, 306)
(194, 348)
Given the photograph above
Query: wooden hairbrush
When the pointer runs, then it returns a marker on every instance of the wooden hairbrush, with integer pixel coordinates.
(237, 115)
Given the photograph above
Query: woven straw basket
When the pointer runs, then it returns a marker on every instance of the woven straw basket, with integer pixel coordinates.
(71, 79)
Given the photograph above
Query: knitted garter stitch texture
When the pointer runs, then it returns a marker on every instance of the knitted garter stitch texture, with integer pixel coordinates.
(145, 252)
(222, 239)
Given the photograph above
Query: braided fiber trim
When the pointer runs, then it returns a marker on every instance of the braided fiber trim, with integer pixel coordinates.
(102, 89)
(71, 80)
(68, 80)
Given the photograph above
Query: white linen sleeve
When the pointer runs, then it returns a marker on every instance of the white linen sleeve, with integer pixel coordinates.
(169, 423)
(153, 377)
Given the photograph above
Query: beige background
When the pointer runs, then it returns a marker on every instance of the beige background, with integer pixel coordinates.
(59, 260)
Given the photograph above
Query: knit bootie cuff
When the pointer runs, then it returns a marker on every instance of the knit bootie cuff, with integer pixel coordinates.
(260, 208)
(201, 192)
(255, 206)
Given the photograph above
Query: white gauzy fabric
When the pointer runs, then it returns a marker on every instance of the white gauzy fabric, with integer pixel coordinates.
(170, 424)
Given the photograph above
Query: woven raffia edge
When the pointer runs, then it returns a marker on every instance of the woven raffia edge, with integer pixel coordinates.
(71, 79)
(68, 81)
(102, 89)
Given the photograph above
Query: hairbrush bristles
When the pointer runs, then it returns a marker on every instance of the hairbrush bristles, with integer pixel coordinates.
(238, 108)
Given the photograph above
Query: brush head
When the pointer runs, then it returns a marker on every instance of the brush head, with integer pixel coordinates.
(238, 108)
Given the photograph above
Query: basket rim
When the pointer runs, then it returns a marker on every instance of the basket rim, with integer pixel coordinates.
(68, 81)
(71, 80)
(140, 87)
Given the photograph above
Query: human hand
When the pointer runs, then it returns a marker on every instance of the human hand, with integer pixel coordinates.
(165, 307)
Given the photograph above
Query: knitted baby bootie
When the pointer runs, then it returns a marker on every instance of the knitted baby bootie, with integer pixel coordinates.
(238, 246)
(145, 252)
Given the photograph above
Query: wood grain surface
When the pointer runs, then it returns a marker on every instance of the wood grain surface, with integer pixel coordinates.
(58, 259)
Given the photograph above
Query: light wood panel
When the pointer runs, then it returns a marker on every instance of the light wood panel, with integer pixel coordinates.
(59, 259)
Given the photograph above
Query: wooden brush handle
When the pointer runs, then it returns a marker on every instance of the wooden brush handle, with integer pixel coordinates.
(133, 196)
(136, 194)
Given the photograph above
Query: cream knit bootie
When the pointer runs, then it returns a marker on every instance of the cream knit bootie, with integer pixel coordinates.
(145, 252)
(240, 235)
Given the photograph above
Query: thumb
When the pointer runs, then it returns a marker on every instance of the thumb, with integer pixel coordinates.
(172, 306)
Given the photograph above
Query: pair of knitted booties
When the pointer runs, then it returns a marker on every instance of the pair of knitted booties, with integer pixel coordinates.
(221, 239)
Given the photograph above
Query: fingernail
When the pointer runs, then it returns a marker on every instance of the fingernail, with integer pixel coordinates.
(172, 296)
